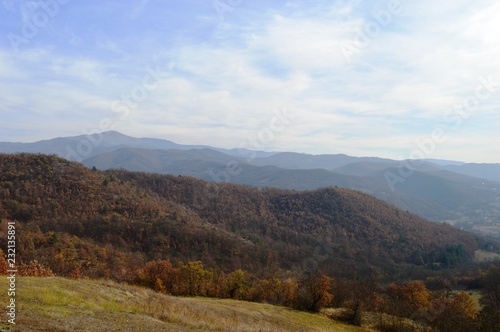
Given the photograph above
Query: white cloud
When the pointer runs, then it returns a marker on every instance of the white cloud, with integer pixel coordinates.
(305, 44)
(229, 78)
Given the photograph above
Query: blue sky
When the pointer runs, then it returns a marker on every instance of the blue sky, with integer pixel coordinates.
(393, 79)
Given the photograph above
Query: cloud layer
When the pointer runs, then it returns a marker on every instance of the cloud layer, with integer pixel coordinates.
(361, 78)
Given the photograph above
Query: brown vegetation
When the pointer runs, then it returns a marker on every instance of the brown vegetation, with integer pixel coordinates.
(182, 236)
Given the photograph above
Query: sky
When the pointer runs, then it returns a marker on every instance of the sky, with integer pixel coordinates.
(395, 79)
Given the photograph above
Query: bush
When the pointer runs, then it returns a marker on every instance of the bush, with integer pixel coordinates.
(34, 269)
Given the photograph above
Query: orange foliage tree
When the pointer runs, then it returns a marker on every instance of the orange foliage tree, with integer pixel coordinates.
(453, 313)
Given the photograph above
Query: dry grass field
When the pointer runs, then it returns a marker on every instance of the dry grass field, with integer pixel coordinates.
(485, 256)
(65, 305)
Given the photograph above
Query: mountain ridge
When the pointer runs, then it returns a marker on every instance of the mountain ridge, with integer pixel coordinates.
(476, 201)
(68, 146)
(144, 216)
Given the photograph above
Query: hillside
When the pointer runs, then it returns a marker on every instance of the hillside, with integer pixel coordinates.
(438, 190)
(94, 223)
(293, 160)
(430, 192)
(64, 305)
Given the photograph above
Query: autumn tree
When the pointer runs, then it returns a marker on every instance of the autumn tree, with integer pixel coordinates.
(193, 279)
(489, 317)
(237, 284)
(3, 263)
(268, 290)
(408, 300)
(313, 293)
(158, 275)
(289, 290)
(34, 269)
(453, 313)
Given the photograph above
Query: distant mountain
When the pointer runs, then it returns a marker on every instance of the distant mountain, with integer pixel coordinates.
(430, 192)
(442, 162)
(212, 165)
(364, 165)
(195, 162)
(461, 196)
(306, 161)
(372, 168)
(485, 171)
(82, 147)
(440, 190)
(451, 190)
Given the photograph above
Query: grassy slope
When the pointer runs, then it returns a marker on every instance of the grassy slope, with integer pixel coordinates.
(58, 304)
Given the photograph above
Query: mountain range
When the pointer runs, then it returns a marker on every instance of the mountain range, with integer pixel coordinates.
(465, 194)
(187, 237)
(111, 222)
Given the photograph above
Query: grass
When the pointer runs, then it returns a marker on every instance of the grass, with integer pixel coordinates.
(58, 304)
(485, 256)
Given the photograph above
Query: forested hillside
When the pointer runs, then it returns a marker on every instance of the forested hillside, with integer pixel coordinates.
(72, 219)
(306, 250)
(464, 194)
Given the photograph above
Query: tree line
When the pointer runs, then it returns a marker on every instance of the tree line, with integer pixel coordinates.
(414, 305)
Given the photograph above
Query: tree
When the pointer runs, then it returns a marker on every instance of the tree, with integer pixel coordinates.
(408, 300)
(489, 317)
(237, 284)
(3, 263)
(313, 294)
(158, 275)
(194, 278)
(269, 290)
(453, 255)
(289, 288)
(455, 313)
(34, 269)
(404, 300)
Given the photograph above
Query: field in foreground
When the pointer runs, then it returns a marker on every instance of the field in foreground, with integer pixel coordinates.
(58, 304)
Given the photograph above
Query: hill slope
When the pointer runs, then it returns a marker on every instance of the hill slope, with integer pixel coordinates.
(428, 192)
(97, 223)
(63, 305)
(286, 170)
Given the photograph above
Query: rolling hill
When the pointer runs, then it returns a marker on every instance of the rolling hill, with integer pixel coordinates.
(464, 194)
(430, 192)
(120, 218)
(183, 236)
